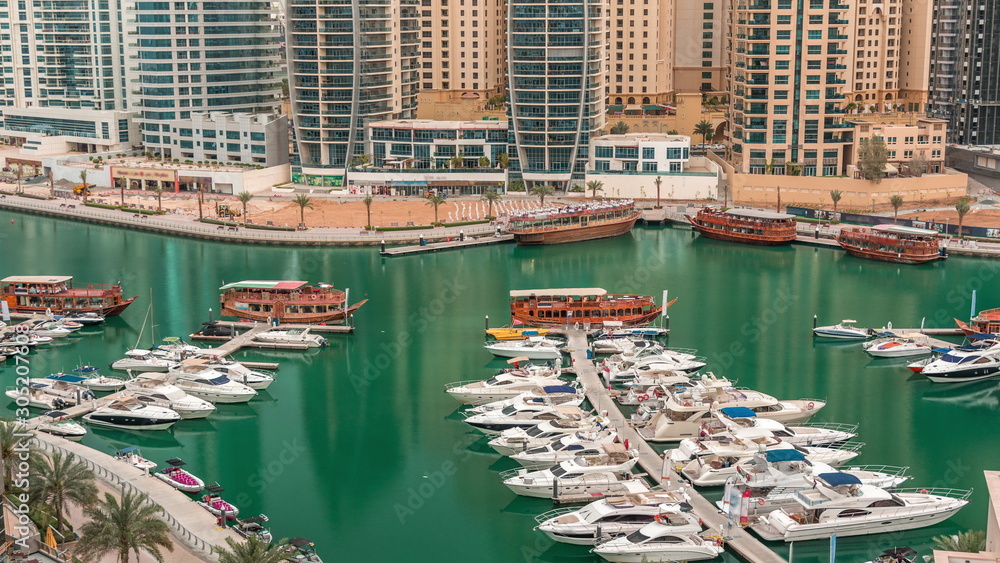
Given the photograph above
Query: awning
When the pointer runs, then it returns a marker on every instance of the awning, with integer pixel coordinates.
(653, 107)
(775, 456)
(837, 479)
(397, 183)
(458, 183)
(738, 412)
(633, 107)
(614, 108)
(890, 169)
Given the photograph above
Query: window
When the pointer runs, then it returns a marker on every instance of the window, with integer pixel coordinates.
(648, 153)
(784, 34)
(649, 167)
(782, 49)
(781, 110)
(781, 79)
(812, 94)
(814, 49)
(784, 20)
(890, 140)
(709, 75)
(781, 65)
(815, 33)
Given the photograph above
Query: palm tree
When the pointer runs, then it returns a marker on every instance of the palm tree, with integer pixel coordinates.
(491, 196)
(244, 198)
(123, 527)
(61, 479)
(201, 200)
(159, 197)
(541, 191)
(123, 192)
(835, 195)
(18, 171)
(11, 437)
(966, 542)
(963, 206)
(503, 160)
(595, 186)
(368, 199)
(435, 200)
(303, 201)
(457, 160)
(656, 182)
(484, 162)
(254, 550)
(83, 178)
(704, 128)
(896, 202)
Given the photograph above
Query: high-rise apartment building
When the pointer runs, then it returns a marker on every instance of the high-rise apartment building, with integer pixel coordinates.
(700, 54)
(965, 70)
(640, 38)
(556, 58)
(462, 46)
(790, 60)
(200, 56)
(350, 62)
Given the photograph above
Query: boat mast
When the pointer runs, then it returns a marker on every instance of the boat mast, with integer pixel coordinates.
(143, 328)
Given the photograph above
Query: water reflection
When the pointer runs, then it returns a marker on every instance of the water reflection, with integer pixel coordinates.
(973, 395)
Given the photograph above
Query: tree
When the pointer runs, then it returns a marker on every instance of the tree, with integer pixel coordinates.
(491, 196)
(619, 128)
(896, 201)
(435, 201)
(83, 178)
(542, 190)
(61, 479)
(872, 158)
(362, 159)
(966, 542)
(303, 201)
(484, 162)
(673, 132)
(13, 436)
(595, 186)
(704, 128)
(244, 198)
(792, 168)
(255, 550)
(851, 107)
(835, 195)
(18, 172)
(503, 160)
(201, 200)
(918, 166)
(121, 528)
(516, 186)
(656, 182)
(963, 207)
(368, 199)
(457, 160)
(159, 197)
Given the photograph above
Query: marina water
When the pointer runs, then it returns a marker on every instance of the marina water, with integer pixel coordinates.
(358, 448)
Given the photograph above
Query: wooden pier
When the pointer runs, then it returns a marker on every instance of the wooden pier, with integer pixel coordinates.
(324, 328)
(447, 245)
(738, 539)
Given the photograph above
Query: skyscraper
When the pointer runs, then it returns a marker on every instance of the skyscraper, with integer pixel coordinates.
(350, 62)
(640, 36)
(555, 54)
(462, 46)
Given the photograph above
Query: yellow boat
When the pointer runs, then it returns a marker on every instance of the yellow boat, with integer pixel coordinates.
(508, 333)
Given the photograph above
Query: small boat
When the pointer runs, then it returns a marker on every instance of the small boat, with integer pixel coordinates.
(58, 295)
(844, 330)
(840, 504)
(59, 425)
(87, 376)
(615, 329)
(305, 551)
(658, 542)
(752, 226)
(504, 385)
(195, 378)
(574, 223)
(897, 555)
(140, 361)
(608, 474)
(253, 527)
(131, 414)
(516, 333)
(156, 390)
(617, 515)
(533, 348)
(519, 439)
(592, 305)
(616, 344)
(51, 330)
(292, 336)
(286, 301)
(49, 394)
(89, 318)
(567, 447)
(552, 395)
(521, 415)
(717, 463)
(132, 456)
(213, 503)
(178, 478)
(892, 243)
(239, 373)
(902, 346)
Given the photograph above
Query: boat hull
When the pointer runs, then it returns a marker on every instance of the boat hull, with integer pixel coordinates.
(803, 532)
(732, 236)
(887, 256)
(839, 334)
(298, 318)
(577, 233)
(972, 374)
(531, 354)
(126, 422)
(687, 553)
(896, 353)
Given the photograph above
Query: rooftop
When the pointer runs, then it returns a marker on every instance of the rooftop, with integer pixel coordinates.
(261, 284)
(443, 125)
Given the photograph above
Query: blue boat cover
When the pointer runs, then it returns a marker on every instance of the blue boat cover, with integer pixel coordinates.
(941, 350)
(85, 369)
(837, 479)
(559, 389)
(775, 456)
(738, 412)
(981, 336)
(66, 377)
(128, 449)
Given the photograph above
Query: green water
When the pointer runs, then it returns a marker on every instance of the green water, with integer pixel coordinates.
(357, 447)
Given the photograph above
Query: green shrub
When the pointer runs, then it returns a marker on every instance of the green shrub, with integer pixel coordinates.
(462, 223)
(100, 205)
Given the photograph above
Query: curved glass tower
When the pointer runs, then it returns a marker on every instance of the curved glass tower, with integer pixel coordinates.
(555, 54)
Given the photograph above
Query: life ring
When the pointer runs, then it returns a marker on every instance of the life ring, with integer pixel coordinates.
(687, 403)
(313, 297)
(811, 405)
(923, 491)
(761, 501)
(643, 397)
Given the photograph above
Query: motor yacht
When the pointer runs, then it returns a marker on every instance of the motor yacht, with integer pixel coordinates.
(567, 447)
(717, 463)
(903, 346)
(58, 425)
(206, 383)
(239, 373)
(131, 414)
(141, 361)
(50, 394)
(518, 439)
(132, 456)
(157, 390)
(840, 504)
(533, 348)
(965, 363)
(524, 415)
(658, 542)
(845, 330)
(731, 420)
(578, 476)
(89, 318)
(253, 527)
(87, 376)
(617, 515)
(504, 385)
(293, 336)
(564, 395)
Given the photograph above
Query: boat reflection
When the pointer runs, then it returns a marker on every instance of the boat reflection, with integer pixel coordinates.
(975, 394)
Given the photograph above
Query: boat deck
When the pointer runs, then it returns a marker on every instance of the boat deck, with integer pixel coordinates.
(446, 245)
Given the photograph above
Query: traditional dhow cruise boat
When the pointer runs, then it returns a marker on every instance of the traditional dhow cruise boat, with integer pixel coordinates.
(987, 322)
(892, 243)
(753, 226)
(554, 307)
(286, 301)
(573, 223)
(59, 295)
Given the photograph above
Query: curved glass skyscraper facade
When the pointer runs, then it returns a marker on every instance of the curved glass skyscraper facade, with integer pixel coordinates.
(555, 54)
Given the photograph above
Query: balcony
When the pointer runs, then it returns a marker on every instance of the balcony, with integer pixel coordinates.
(763, 96)
(837, 52)
(836, 139)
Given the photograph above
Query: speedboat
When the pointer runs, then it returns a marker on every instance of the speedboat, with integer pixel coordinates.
(87, 376)
(892, 346)
(206, 383)
(567, 447)
(49, 394)
(132, 456)
(130, 414)
(179, 478)
(141, 361)
(731, 420)
(564, 395)
(293, 336)
(716, 464)
(51, 331)
(504, 385)
(656, 542)
(516, 333)
(213, 503)
(617, 515)
(241, 374)
(610, 474)
(519, 439)
(253, 527)
(966, 363)
(85, 318)
(840, 504)
(533, 348)
(522, 415)
(59, 425)
(305, 551)
(844, 331)
(156, 390)
(615, 345)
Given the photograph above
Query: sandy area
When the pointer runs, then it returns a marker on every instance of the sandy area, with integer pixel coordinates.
(989, 218)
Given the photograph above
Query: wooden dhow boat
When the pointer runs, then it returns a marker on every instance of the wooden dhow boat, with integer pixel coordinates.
(752, 226)
(59, 295)
(573, 223)
(286, 301)
(559, 307)
(892, 243)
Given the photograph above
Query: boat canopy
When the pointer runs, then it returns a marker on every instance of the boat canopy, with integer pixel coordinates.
(559, 389)
(906, 552)
(838, 479)
(85, 369)
(300, 542)
(568, 292)
(775, 456)
(759, 214)
(67, 378)
(738, 412)
(260, 284)
(37, 279)
(981, 336)
(124, 451)
(901, 230)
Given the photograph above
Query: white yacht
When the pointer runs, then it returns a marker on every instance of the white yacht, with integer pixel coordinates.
(965, 363)
(617, 345)
(843, 331)
(293, 336)
(840, 504)
(519, 439)
(523, 415)
(658, 542)
(84, 318)
(241, 374)
(206, 383)
(608, 475)
(617, 515)
(142, 361)
(554, 395)
(533, 348)
(50, 394)
(732, 420)
(902, 346)
(717, 464)
(58, 425)
(87, 376)
(156, 389)
(631, 370)
(565, 448)
(130, 414)
(51, 330)
(504, 385)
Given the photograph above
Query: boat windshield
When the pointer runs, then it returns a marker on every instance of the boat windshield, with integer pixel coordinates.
(510, 410)
(637, 537)
(560, 471)
(535, 431)
(221, 380)
(491, 381)
(954, 359)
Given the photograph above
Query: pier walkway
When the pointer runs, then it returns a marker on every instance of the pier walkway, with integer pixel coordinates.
(739, 540)
(446, 245)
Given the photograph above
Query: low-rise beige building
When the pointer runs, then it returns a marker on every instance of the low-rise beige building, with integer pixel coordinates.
(991, 554)
(905, 143)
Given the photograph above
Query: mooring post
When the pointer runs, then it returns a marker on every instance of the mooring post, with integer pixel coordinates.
(487, 322)
(815, 321)
(383, 246)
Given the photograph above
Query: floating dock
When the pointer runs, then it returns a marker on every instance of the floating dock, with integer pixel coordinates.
(447, 245)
